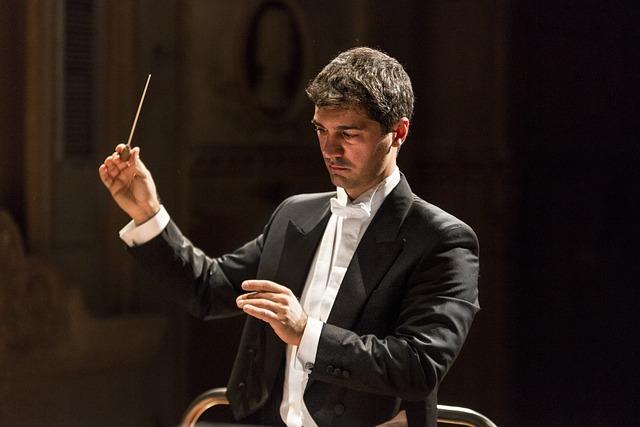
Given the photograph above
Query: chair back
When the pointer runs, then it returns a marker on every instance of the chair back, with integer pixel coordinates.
(447, 415)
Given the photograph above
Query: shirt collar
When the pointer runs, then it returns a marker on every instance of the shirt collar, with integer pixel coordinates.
(372, 199)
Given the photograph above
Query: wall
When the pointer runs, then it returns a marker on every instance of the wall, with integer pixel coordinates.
(576, 149)
(11, 107)
(523, 129)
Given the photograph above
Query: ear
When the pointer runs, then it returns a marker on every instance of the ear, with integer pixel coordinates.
(400, 131)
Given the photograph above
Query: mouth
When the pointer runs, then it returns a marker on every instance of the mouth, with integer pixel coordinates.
(336, 168)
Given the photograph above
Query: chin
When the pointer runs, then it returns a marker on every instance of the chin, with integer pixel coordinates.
(337, 180)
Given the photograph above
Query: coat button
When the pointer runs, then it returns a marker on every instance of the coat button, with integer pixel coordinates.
(241, 386)
(330, 369)
(337, 372)
(338, 409)
(346, 374)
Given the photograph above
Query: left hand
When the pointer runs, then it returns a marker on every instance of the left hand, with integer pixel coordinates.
(276, 305)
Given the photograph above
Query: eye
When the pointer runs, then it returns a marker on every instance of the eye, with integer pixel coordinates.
(320, 130)
(348, 135)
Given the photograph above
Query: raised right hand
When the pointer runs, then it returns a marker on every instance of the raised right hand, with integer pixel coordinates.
(130, 184)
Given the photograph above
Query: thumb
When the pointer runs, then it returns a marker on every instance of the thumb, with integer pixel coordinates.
(135, 155)
(137, 163)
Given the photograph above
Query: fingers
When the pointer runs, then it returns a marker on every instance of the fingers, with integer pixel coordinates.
(276, 311)
(260, 313)
(276, 305)
(265, 296)
(106, 178)
(271, 296)
(110, 171)
(113, 164)
(273, 302)
(264, 286)
(104, 175)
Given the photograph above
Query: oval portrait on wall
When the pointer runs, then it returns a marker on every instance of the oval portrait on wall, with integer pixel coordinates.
(274, 57)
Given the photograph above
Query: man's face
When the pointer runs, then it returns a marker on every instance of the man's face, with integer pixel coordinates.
(357, 152)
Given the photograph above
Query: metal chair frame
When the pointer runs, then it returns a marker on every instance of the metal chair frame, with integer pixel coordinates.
(452, 415)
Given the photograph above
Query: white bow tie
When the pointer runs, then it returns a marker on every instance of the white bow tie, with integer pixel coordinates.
(355, 211)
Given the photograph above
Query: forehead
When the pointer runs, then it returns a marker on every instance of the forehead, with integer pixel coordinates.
(343, 117)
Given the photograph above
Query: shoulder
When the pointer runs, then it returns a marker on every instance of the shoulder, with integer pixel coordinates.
(432, 219)
(303, 203)
(423, 220)
(304, 210)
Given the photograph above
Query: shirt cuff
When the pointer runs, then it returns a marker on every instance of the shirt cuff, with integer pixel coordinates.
(308, 348)
(134, 235)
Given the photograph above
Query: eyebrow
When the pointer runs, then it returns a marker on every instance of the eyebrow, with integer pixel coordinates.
(341, 127)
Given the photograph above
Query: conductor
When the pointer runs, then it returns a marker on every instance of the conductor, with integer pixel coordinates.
(359, 299)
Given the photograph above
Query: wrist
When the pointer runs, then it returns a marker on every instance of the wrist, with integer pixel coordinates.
(146, 213)
(301, 328)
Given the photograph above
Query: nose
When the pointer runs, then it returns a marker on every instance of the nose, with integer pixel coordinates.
(331, 145)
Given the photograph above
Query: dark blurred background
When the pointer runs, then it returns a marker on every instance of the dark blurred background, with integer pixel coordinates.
(523, 128)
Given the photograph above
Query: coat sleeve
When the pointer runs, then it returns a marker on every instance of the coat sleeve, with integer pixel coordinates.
(435, 312)
(206, 286)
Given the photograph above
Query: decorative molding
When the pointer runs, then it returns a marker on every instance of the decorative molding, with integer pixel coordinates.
(273, 58)
(272, 160)
(46, 327)
(43, 106)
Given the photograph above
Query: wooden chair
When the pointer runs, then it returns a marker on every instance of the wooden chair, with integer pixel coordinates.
(447, 415)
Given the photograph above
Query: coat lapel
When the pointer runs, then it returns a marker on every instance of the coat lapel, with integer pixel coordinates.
(378, 249)
(300, 244)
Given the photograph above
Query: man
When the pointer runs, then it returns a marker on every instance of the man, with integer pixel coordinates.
(358, 300)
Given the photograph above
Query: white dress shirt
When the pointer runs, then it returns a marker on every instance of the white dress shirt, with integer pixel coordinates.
(347, 224)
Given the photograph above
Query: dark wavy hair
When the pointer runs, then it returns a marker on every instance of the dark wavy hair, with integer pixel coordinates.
(366, 78)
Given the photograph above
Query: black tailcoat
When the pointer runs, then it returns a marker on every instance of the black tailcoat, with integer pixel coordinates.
(399, 320)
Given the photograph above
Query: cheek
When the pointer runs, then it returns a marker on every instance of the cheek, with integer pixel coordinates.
(378, 154)
(356, 156)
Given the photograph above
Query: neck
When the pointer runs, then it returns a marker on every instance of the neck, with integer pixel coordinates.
(353, 194)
